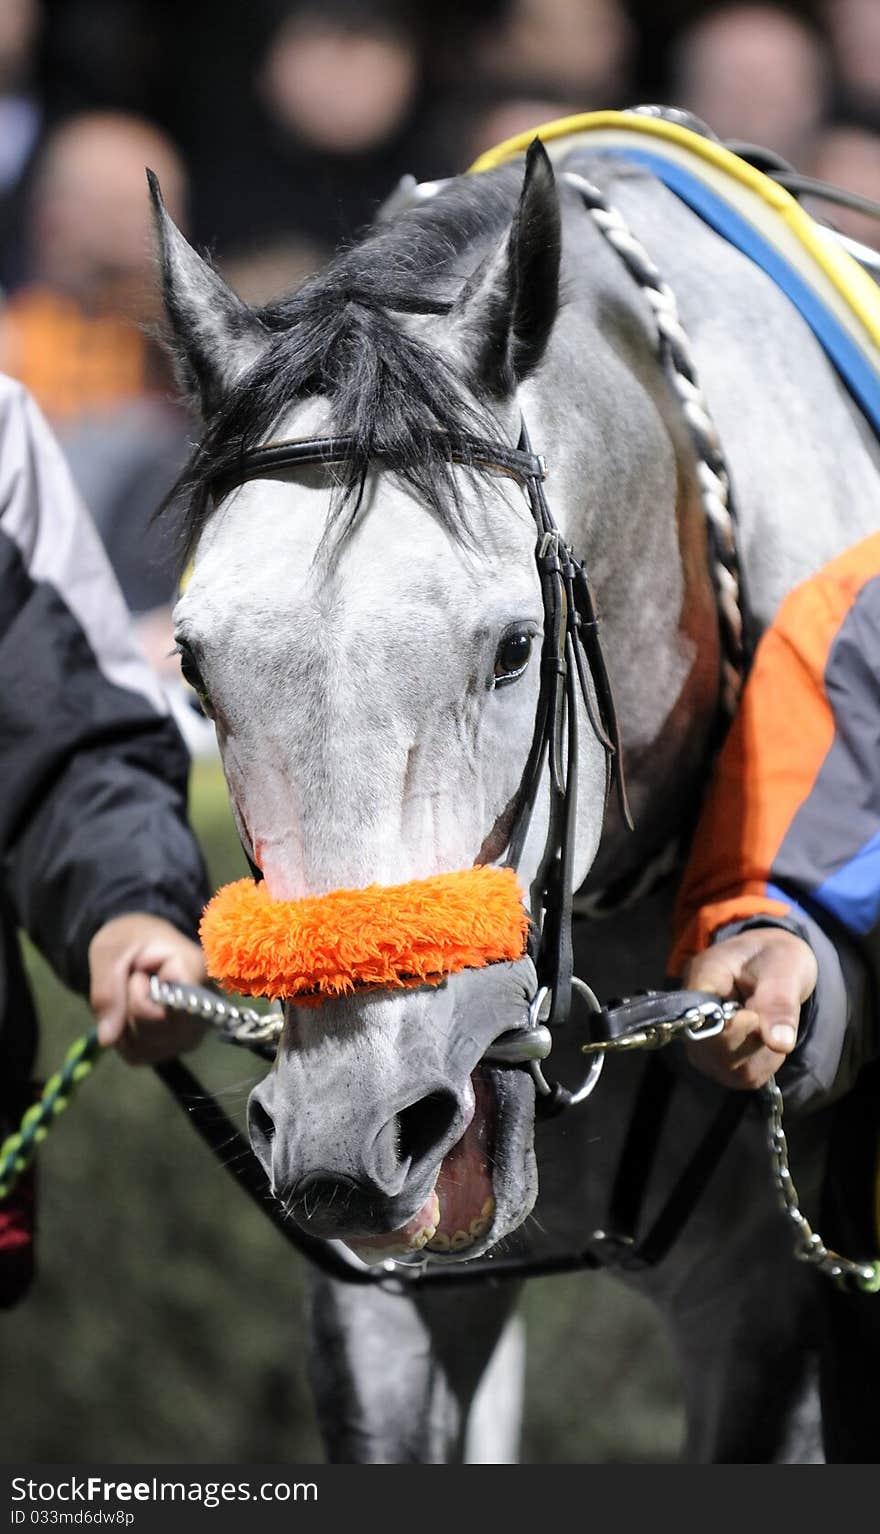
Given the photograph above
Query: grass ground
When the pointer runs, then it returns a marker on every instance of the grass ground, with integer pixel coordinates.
(166, 1324)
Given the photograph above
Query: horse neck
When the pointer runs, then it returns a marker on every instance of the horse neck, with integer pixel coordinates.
(623, 484)
(804, 468)
(803, 462)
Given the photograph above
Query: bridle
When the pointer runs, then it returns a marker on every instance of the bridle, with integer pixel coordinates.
(573, 673)
(573, 669)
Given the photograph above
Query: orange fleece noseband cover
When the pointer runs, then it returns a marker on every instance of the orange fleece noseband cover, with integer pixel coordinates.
(384, 937)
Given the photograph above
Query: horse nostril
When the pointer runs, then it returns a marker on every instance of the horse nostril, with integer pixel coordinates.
(261, 1128)
(425, 1124)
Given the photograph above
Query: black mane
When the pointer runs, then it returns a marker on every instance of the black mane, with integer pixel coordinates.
(339, 336)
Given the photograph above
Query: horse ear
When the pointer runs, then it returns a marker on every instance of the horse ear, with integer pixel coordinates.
(510, 307)
(218, 336)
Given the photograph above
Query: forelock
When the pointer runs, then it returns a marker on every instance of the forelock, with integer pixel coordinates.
(343, 336)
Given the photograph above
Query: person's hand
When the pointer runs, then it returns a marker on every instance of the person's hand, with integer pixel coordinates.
(123, 954)
(772, 972)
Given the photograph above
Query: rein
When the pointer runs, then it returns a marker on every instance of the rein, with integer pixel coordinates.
(697, 1015)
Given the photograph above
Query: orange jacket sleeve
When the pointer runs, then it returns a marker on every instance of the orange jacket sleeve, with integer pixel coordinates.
(791, 822)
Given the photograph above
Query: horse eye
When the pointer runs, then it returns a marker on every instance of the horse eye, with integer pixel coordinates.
(512, 657)
(193, 676)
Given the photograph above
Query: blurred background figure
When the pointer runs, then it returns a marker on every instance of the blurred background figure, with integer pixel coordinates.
(848, 155)
(72, 331)
(342, 80)
(113, 53)
(22, 117)
(333, 112)
(754, 72)
(571, 50)
(76, 332)
(855, 32)
(548, 58)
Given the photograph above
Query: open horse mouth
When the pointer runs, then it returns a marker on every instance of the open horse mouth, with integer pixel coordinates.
(460, 1208)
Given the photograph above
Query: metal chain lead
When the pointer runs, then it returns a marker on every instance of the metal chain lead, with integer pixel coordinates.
(677, 359)
(261, 1031)
(809, 1246)
(244, 1026)
(697, 1023)
(705, 1022)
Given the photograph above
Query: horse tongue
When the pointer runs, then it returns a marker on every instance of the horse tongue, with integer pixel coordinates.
(464, 1186)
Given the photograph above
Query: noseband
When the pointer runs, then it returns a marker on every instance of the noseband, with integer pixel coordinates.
(573, 671)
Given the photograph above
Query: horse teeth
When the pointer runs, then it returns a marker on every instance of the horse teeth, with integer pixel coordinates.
(399, 1249)
(438, 1242)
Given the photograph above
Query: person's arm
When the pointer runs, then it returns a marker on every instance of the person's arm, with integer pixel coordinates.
(93, 825)
(780, 903)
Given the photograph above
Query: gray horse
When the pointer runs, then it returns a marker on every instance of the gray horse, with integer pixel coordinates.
(367, 643)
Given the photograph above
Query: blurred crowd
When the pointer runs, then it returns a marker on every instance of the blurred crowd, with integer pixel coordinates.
(278, 127)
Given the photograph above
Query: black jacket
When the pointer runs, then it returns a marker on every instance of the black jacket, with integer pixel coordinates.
(93, 771)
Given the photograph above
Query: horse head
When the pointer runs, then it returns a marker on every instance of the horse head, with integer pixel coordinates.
(367, 636)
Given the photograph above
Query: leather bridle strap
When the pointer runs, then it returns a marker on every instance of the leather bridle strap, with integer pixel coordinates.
(572, 668)
(296, 453)
(624, 1248)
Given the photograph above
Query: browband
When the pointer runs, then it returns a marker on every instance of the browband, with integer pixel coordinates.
(300, 452)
